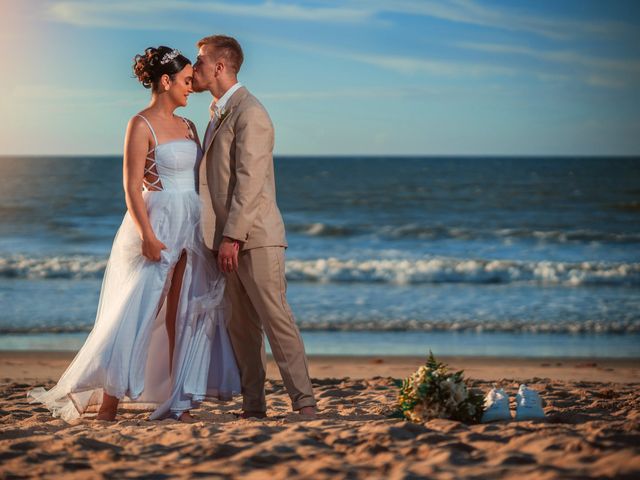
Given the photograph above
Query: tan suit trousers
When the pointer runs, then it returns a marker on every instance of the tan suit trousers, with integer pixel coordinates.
(257, 292)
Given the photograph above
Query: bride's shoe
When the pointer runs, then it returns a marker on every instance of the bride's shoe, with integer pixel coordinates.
(496, 406)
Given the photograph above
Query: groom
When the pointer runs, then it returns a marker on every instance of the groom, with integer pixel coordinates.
(242, 223)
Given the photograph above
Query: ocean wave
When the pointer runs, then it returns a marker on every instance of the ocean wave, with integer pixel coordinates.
(513, 326)
(435, 270)
(323, 230)
(453, 270)
(386, 325)
(72, 267)
(422, 232)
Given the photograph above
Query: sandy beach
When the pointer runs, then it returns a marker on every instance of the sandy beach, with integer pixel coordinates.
(591, 430)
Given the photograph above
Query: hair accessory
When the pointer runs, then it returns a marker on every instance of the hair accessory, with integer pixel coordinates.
(167, 57)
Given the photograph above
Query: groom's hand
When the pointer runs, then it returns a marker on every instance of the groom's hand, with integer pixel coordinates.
(228, 255)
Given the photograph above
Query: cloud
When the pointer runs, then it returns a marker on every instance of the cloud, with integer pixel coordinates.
(60, 96)
(566, 57)
(406, 64)
(412, 65)
(42, 92)
(596, 71)
(140, 14)
(283, 11)
(365, 92)
(604, 81)
(474, 13)
(87, 14)
(119, 13)
(396, 63)
(601, 72)
(384, 94)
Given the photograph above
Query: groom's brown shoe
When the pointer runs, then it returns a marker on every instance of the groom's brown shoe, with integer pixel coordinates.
(309, 412)
(248, 414)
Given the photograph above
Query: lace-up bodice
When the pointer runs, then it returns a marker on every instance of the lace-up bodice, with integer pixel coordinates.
(171, 165)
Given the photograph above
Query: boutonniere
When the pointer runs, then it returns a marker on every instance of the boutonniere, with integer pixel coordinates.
(223, 115)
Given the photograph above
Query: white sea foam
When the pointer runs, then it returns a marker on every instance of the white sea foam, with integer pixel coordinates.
(475, 326)
(602, 327)
(454, 270)
(65, 267)
(399, 272)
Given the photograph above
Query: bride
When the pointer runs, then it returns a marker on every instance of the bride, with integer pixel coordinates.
(160, 338)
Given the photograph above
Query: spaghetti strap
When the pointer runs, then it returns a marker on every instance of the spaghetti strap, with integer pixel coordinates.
(155, 139)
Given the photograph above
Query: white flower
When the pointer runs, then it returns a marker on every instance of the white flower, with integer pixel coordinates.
(460, 392)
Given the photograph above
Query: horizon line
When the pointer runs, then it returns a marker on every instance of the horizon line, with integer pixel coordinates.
(365, 155)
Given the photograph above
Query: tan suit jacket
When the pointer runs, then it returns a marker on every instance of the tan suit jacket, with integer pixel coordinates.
(237, 188)
(236, 178)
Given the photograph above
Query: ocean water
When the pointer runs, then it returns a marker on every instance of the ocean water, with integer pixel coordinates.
(484, 256)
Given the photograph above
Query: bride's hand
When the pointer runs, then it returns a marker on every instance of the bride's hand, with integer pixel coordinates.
(151, 248)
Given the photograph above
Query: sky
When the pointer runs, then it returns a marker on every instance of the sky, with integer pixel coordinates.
(353, 77)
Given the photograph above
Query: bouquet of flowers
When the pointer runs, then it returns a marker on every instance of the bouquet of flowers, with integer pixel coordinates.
(434, 392)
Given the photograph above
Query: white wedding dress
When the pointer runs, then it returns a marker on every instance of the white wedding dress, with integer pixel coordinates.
(127, 352)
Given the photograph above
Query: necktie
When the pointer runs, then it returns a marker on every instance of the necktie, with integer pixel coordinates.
(213, 114)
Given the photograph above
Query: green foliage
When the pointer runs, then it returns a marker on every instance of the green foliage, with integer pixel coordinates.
(435, 392)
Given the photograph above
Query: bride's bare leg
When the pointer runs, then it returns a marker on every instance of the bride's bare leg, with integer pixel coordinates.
(173, 299)
(109, 408)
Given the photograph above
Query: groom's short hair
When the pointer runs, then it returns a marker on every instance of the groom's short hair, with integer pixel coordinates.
(225, 47)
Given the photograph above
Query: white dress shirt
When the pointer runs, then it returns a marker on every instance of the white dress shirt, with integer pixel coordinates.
(217, 110)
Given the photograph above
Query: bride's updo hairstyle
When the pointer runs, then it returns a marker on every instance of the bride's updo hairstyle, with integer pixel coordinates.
(151, 65)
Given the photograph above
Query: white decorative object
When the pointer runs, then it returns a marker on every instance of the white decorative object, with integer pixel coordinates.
(528, 404)
(167, 57)
(496, 406)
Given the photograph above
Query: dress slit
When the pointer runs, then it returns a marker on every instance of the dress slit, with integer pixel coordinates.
(176, 321)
